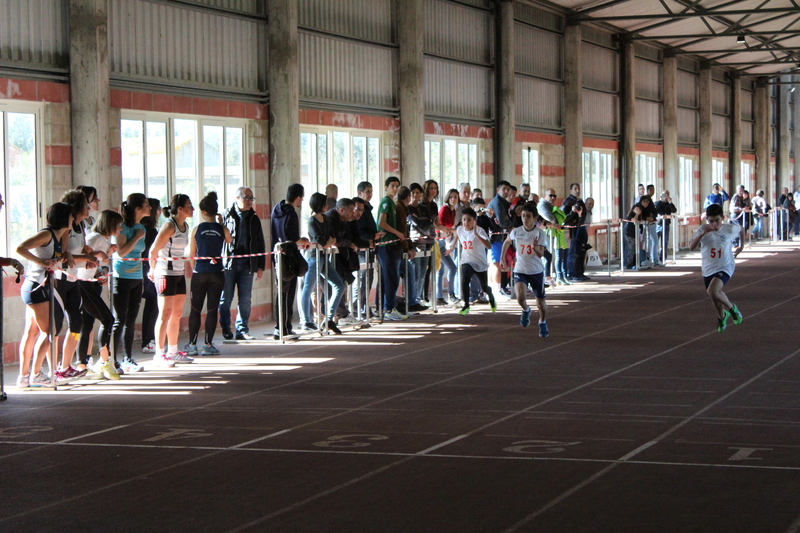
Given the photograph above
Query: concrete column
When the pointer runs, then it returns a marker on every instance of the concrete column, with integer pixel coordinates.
(761, 139)
(284, 98)
(796, 143)
(89, 96)
(671, 171)
(735, 159)
(627, 154)
(411, 89)
(706, 162)
(505, 134)
(573, 105)
(782, 161)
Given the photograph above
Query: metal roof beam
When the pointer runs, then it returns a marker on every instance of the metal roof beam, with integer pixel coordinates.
(694, 14)
(725, 33)
(601, 6)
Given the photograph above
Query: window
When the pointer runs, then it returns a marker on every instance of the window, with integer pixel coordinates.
(598, 179)
(747, 174)
(686, 178)
(718, 171)
(450, 162)
(530, 169)
(647, 171)
(165, 156)
(19, 164)
(353, 157)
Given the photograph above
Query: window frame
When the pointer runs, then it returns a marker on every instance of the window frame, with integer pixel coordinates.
(535, 183)
(169, 119)
(442, 139)
(605, 195)
(687, 204)
(655, 162)
(7, 248)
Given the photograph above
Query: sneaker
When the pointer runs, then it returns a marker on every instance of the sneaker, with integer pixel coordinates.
(118, 368)
(332, 328)
(493, 307)
(308, 326)
(23, 382)
(349, 320)
(107, 370)
(150, 348)
(440, 302)
(180, 357)
(564, 281)
(454, 299)
(63, 377)
(736, 314)
(391, 315)
(646, 263)
(73, 373)
(209, 349)
(190, 349)
(402, 316)
(507, 292)
(415, 308)
(543, 331)
(464, 310)
(130, 366)
(161, 360)
(722, 323)
(40, 380)
(227, 334)
(525, 319)
(244, 336)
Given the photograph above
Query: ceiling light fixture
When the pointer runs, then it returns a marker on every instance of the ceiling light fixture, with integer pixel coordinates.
(793, 88)
(740, 39)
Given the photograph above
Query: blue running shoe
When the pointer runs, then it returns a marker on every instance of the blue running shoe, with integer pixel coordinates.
(543, 331)
(525, 319)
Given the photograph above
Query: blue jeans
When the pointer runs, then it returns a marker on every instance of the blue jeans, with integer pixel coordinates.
(240, 278)
(561, 262)
(449, 265)
(389, 257)
(420, 266)
(757, 222)
(652, 243)
(310, 282)
(413, 294)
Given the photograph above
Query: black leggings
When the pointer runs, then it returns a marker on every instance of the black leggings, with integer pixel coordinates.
(94, 308)
(127, 297)
(71, 296)
(467, 271)
(206, 286)
(150, 313)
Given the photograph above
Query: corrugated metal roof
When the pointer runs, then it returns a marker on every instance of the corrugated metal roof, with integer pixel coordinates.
(708, 29)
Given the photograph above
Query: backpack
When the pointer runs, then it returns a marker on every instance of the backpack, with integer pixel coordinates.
(293, 264)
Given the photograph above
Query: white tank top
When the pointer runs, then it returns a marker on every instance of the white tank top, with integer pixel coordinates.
(35, 271)
(75, 245)
(175, 247)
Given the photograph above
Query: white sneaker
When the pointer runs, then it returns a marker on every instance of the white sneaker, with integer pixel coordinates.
(401, 315)
(150, 348)
(107, 370)
(391, 315)
(161, 359)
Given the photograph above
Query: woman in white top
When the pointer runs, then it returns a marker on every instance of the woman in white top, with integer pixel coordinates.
(169, 276)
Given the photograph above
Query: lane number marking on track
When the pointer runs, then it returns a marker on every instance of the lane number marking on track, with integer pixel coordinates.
(350, 441)
(537, 447)
(21, 431)
(175, 434)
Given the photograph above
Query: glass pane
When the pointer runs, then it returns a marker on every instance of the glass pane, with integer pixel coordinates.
(21, 201)
(359, 159)
(462, 172)
(473, 165)
(449, 172)
(533, 180)
(132, 157)
(157, 161)
(374, 174)
(234, 164)
(436, 163)
(341, 162)
(322, 163)
(185, 158)
(427, 160)
(525, 168)
(212, 161)
(587, 176)
(5, 245)
(308, 161)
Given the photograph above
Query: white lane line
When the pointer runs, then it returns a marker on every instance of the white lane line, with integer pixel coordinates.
(442, 444)
(322, 451)
(259, 439)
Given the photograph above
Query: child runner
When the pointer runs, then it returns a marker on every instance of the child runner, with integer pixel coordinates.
(528, 267)
(474, 244)
(718, 259)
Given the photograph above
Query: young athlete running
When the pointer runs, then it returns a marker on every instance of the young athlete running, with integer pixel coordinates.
(715, 240)
(528, 267)
(474, 244)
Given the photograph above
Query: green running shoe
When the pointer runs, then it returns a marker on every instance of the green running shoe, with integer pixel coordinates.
(736, 314)
(722, 323)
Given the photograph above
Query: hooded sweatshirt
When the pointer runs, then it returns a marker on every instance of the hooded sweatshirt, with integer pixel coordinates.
(285, 223)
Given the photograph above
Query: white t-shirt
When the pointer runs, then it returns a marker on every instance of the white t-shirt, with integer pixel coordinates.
(472, 251)
(717, 251)
(527, 261)
(97, 243)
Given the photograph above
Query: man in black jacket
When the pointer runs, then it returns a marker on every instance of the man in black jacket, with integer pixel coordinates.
(579, 236)
(285, 227)
(368, 232)
(248, 238)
